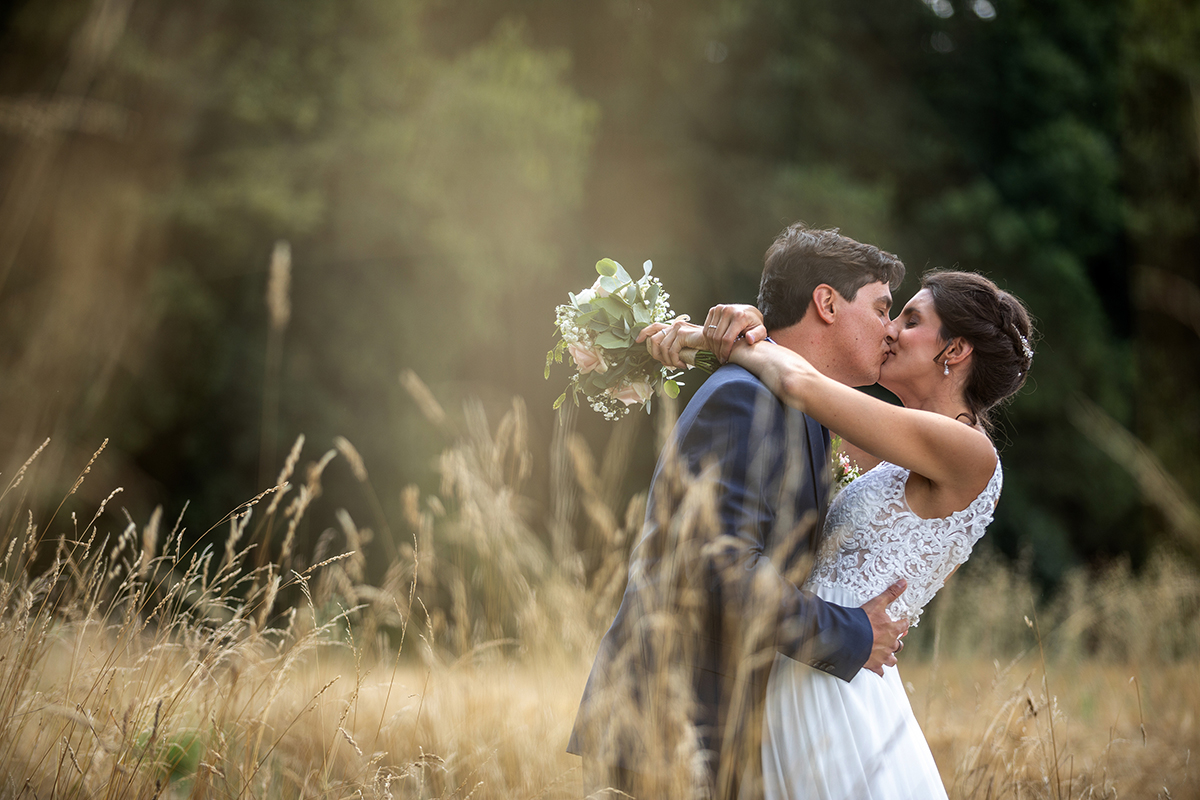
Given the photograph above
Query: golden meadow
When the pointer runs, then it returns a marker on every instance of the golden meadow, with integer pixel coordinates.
(134, 667)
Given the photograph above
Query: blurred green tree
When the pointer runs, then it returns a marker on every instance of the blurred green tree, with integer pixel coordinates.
(424, 197)
(446, 171)
(959, 134)
(1161, 154)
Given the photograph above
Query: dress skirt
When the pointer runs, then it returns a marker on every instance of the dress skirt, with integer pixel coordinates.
(826, 739)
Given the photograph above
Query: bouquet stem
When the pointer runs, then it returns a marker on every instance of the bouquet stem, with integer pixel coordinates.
(702, 359)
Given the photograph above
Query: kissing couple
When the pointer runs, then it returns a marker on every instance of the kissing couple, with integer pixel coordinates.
(754, 651)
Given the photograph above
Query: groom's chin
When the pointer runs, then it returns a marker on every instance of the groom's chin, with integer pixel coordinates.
(869, 379)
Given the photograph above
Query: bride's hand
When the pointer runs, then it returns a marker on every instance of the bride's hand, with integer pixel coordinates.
(727, 324)
(665, 340)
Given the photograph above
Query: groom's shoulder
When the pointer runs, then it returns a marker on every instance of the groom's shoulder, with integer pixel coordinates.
(730, 375)
(728, 407)
(729, 378)
(729, 384)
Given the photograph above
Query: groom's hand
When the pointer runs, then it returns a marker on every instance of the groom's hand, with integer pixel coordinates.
(887, 633)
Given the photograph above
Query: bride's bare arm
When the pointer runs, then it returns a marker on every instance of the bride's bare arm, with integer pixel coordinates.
(935, 446)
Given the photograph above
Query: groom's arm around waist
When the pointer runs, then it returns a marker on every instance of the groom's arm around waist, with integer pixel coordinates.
(745, 428)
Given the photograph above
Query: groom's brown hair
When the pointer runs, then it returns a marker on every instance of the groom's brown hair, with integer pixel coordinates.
(802, 258)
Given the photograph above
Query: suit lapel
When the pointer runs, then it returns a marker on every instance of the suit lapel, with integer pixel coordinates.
(818, 454)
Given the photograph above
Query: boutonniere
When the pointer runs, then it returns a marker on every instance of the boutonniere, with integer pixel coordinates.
(844, 469)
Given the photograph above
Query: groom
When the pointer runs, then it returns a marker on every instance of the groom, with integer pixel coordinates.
(675, 691)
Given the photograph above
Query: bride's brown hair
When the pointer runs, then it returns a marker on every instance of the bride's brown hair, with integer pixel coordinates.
(998, 328)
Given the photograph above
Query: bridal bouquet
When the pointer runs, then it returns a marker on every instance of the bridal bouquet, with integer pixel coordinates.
(598, 328)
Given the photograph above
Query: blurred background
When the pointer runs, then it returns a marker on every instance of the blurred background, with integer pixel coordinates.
(225, 224)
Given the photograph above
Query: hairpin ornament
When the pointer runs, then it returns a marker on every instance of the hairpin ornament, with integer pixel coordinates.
(1026, 348)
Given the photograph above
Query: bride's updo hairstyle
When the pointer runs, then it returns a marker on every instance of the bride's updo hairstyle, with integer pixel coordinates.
(998, 328)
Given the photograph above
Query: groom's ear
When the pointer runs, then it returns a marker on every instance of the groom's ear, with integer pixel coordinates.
(824, 300)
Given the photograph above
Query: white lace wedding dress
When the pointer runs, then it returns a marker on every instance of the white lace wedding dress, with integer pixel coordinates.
(824, 738)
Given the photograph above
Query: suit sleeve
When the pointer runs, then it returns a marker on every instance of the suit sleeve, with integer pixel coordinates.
(744, 426)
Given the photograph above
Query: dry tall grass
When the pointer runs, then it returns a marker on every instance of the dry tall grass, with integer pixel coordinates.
(133, 667)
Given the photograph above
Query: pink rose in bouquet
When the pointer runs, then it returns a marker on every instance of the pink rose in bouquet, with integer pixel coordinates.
(587, 359)
(634, 393)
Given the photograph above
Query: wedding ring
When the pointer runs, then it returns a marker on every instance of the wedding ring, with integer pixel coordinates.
(712, 326)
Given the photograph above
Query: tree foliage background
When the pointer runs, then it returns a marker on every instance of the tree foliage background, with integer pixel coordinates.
(445, 170)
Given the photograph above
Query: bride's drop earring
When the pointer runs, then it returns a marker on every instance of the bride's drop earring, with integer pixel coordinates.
(946, 371)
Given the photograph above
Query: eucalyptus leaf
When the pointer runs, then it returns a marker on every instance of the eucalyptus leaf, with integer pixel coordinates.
(610, 284)
(652, 295)
(612, 341)
(602, 320)
(594, 383)
(671, 389)
(622, 275)
(646, 265)
(614, 307)
(606, 266)
(586, 317)
(562, 398)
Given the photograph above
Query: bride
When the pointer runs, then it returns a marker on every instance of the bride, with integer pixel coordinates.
(960, 347)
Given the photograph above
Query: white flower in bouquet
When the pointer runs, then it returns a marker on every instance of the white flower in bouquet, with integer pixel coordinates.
(598, 329)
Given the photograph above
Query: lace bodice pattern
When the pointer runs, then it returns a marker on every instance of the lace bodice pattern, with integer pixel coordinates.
(871, 538)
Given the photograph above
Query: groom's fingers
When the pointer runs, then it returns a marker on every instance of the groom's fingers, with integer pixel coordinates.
(888, 595)
(885, 630)
(893, 592)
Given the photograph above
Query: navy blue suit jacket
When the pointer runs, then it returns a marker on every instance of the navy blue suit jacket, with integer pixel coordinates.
(767, 464)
